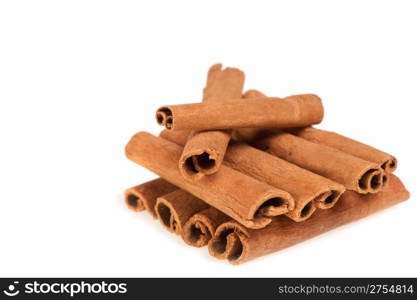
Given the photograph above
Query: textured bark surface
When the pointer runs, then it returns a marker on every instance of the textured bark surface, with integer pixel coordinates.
(242, 197)
(238, 244)
(204, 151)
(143, 196)
(293, 111)
(200, 228)
(247, 134)
(348, 145)
(351, 171)
(223, 84)
(173, 210)
(309, 190)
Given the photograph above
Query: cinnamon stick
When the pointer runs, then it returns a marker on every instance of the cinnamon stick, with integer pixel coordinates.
(238, 244)
(353, 172)
(223, 84)
(242, 197)
(204, 151)
(309, 190)
(248, 134)
(200, 228)
(345, 144)
(143, 196)
(176, 208)
(293, 111)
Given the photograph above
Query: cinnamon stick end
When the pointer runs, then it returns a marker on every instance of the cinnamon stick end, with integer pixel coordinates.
(133, 201)
(390, 165)
(198, 163)
(328, 199)
(166, 214)
(164, 117)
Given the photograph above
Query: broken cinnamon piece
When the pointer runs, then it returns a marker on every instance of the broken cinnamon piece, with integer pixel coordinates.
(200, 228)
(238, 244)
(293, 111)
(348, 145)
(176, 208)
(309, 190)
(204, 151)
(351, 171)
(242, 197)
(143, 196)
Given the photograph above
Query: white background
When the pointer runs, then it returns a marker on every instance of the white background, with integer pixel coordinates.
(79, 78)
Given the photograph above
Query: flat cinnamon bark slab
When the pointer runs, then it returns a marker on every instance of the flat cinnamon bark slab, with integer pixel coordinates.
(242, 197)
(143, 196)
(332, 139)
(200, 228)
(309, 190)
(293, 111)
(173, 210)
(353, 172)
(204, 151)
(238, 244)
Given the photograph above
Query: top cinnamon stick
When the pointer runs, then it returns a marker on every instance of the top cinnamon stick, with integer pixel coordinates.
(293, 111)
(204, 151)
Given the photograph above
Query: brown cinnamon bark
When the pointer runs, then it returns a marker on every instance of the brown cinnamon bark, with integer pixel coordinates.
(161, 117)
(200, 228)
(238, 244)
(223, 84)
(176, 208)
(345, 144)
(204, 151)
(309, 190)
(351, 171)
(143, 196)
(247, 134)
(242, 197)
(293, 111)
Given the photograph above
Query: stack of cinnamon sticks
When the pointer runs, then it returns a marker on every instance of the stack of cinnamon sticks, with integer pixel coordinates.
(247, 174)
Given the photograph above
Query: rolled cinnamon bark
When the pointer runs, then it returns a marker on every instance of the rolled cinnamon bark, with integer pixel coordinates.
(309, 190)
(293, 111)
(143, 196)
(247, 134)
(223, 84)
(242, 197)
(200, 228)
(161, 117)
(345, 144)
(204, 151)
(351, 171)
(176, 208)
(238, 244)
